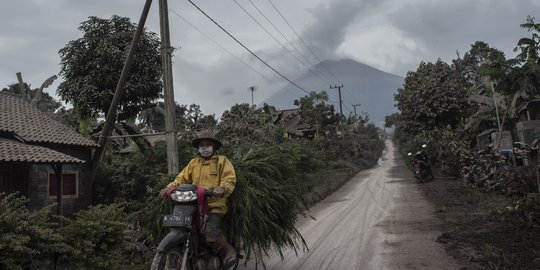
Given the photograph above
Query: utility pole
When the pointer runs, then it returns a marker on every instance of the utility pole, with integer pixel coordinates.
(354, 106)
(110, 119)
(252, 89)
(338, 87)
(168, 92)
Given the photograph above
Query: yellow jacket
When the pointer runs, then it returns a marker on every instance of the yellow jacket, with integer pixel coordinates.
(209, 173)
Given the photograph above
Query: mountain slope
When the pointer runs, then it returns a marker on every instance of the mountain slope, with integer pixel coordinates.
(372, 88)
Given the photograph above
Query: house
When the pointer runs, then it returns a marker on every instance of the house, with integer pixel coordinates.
(36, 149)
(489, 139)
(294, 125)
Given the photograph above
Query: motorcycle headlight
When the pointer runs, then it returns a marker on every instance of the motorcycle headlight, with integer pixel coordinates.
(183, 196)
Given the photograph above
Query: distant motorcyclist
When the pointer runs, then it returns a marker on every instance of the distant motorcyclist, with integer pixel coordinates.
(423, 159)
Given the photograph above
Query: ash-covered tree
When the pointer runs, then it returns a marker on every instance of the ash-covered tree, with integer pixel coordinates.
(317, 113)
(474, 64)
(37, 97)
(433, 102)
(529, 48)
(391, 120)
(521, 82)
(91, 67)
(193, 119)
(188, 118)
(433, 96)
(243, 124)
(478, 67)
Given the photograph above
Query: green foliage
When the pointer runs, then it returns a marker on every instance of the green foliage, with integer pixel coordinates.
(26, 239)
(188, 118)
(529, 48)
(245, 125)
(433, 96)
(91, 67)
(317, 113)
(268, 199)
(525, 212)
(154, 209)
(135, 177)
(97, 235)
(491, 172)
(391, 120)
(358, 144)
(477, 63)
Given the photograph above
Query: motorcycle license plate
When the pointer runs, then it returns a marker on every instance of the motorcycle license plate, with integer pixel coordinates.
(177, 221)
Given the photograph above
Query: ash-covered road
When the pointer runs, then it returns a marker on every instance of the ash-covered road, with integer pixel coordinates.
(377, 220)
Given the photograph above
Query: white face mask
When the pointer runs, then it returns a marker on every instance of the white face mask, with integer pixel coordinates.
(207, 151)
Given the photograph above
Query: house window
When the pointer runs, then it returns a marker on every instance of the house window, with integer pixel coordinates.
(70, 183)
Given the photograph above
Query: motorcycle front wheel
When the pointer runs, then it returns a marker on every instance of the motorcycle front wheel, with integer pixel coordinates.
(170, 259)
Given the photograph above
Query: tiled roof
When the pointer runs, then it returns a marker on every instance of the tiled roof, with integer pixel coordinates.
(15, 151)
(33, 125)
(293, 122)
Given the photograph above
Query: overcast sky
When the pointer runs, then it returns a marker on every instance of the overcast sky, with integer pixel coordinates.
(390, 35)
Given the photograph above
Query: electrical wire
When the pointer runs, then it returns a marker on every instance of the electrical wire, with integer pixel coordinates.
(284, 37)
(219, 45)
(275, 39)
(302, 40)
(246, 48)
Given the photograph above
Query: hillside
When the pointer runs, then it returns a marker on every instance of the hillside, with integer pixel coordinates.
(372, 88)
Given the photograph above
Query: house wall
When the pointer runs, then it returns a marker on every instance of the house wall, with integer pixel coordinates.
(38, 187)
(13, 177)
(528, 130)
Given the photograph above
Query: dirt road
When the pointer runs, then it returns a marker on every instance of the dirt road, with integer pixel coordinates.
(378, 220)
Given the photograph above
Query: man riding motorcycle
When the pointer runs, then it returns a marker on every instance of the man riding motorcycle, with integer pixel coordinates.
(422, 159)
(212, 171)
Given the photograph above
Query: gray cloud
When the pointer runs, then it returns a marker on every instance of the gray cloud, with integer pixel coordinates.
(332, 23)
(391, 35)
(444, 27)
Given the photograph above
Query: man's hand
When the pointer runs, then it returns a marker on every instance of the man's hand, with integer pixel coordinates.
(219, 191)
(162, 193)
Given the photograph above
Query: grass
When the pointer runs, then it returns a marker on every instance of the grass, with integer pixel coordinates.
(477, 233)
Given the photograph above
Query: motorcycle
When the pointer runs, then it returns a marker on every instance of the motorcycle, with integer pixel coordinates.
(184, 247)
(421, 167)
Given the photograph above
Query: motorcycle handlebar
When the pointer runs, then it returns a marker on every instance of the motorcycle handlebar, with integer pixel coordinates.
(208, 193)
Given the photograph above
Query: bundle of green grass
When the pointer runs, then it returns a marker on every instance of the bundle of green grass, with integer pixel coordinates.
(269, 198)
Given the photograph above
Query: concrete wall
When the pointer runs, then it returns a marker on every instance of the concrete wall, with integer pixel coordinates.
(38, 187)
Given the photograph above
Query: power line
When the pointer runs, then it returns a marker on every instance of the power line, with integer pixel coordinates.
(241, 44)
(268, 32)
(219, 45)
(320, 75)
(347, 91)
(302, 40)
(275, 39)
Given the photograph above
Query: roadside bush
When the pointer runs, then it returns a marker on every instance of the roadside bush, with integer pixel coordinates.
(97, 235)
(516, 181)
(26, 238)
(525, 212)
(489, 171)
(134, 178)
